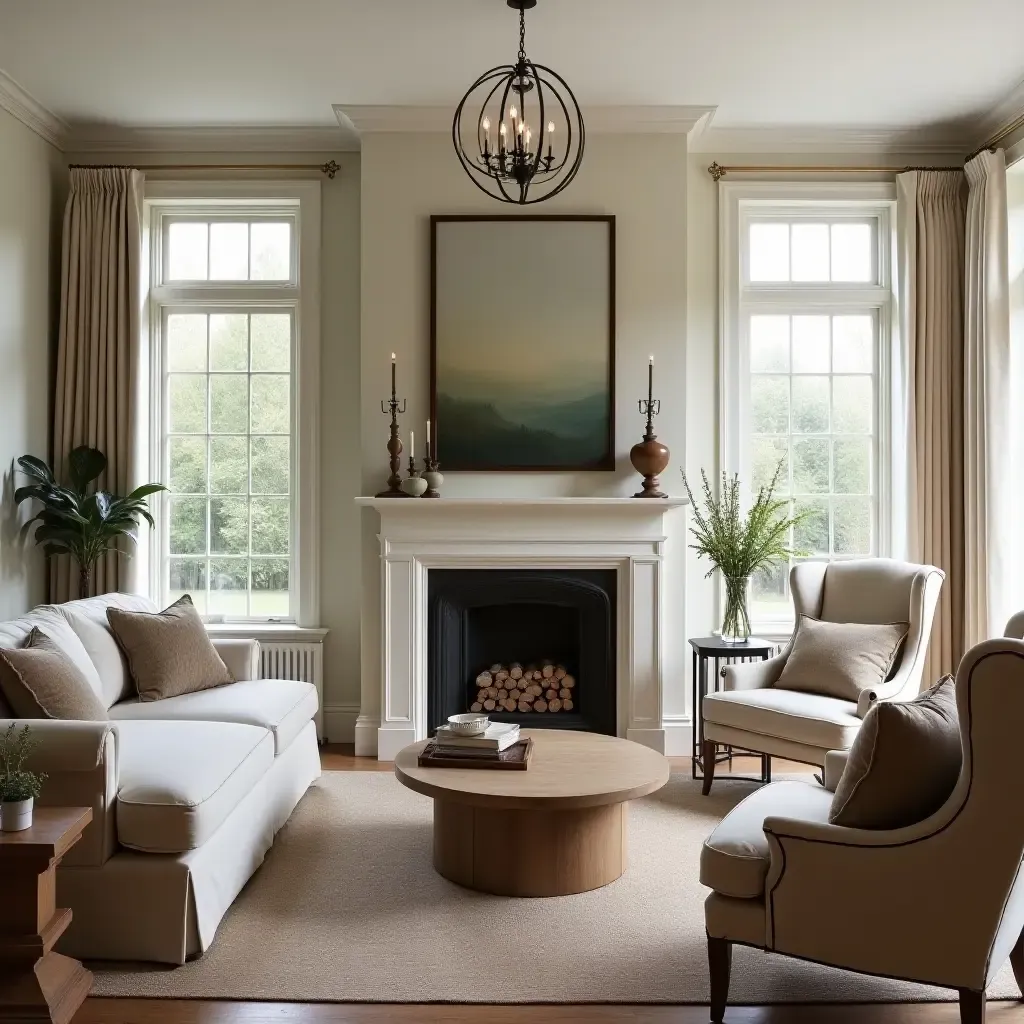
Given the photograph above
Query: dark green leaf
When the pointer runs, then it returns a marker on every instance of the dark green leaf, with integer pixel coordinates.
(85, 464)
(36, 468)
(144, 491)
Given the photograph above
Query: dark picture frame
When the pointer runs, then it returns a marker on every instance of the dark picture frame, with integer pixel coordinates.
(522, 344)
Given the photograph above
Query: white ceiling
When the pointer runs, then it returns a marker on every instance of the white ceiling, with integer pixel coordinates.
(836, 63)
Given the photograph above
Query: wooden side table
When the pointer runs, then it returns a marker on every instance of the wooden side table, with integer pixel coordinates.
(37, 984)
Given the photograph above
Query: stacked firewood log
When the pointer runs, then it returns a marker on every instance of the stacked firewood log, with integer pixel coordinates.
(547, 688)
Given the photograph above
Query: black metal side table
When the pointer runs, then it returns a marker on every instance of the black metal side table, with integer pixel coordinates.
(714, 648)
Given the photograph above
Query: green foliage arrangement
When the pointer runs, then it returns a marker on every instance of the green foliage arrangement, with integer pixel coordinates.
(78, 519)
(15, 782)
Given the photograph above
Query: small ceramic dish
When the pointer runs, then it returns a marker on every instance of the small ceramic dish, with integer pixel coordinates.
(468, 725)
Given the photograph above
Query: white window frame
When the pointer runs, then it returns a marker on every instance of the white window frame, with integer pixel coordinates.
(298, 202)
(739, 203)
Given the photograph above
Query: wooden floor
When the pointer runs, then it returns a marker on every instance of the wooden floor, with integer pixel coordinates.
(340, 758)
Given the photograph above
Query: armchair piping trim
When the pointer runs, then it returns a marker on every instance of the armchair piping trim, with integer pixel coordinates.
(785, 714)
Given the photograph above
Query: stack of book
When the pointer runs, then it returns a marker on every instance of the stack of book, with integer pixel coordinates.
(485, 746)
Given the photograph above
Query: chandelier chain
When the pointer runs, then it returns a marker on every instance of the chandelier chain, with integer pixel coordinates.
(522, 34)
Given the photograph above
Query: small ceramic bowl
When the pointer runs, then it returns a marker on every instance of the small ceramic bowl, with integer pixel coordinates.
(468, 725)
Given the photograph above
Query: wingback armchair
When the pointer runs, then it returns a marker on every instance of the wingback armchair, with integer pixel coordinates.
(940, 902)
(751, 713)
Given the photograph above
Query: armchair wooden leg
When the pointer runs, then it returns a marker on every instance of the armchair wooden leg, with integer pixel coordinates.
(1017, 962)
(720, 965)
(708, 753)
(972, 1007)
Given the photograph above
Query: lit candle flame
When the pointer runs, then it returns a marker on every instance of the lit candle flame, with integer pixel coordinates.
(512, 113)
(551, 127)
(486, 124)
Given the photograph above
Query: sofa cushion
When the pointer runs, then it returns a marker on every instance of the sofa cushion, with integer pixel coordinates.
(169, 653)
(808, 718)
(282, 705)
(735, 858)
(180, 780)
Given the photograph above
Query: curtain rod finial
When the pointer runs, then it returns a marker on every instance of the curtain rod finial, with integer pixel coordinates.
(717, 171)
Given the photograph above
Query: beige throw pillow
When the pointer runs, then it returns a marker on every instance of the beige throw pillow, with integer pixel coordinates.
(839, 659)
(40, 681)
(169, 653)
(904, 763)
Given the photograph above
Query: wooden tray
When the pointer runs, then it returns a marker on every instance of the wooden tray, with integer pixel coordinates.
(515, 759)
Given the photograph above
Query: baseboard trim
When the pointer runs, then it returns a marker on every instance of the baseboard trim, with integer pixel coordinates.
(678, 735)
(340, 723)
(366, 728)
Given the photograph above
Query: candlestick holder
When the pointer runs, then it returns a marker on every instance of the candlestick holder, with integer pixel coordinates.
(395, 448)
(650, 457)
(432, 474)
(413, 486)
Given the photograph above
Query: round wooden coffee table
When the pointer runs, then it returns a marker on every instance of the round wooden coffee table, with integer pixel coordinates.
(557, 828)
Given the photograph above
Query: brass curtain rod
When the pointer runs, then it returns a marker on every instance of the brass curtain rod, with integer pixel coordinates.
(330, 168)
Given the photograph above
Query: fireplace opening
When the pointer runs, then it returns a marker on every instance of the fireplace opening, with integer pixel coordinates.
(535, 647)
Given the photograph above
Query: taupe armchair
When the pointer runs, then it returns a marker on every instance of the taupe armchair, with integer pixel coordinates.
(752, 714)
(940, 902)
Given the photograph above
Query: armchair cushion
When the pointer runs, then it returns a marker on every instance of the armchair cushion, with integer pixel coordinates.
(840, 659)
(904, 763)
(810, 719)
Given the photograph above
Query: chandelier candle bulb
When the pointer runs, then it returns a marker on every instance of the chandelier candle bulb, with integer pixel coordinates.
(650, 380)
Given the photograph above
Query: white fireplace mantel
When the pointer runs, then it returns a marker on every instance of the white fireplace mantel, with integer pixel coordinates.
(417, 535)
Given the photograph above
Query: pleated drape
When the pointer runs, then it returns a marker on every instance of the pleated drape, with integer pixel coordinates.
(988, 471)
(931, 264)
(98, 356)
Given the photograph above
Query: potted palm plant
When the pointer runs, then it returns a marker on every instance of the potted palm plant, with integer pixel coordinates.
(77, 518)
(19, 789)
(740, 546)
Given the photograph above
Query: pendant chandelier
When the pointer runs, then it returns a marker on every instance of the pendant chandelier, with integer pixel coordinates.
(518, 131)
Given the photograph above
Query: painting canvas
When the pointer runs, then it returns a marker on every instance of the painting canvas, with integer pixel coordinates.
(523, 313)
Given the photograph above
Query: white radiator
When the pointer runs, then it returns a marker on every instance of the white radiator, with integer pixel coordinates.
(296, 660)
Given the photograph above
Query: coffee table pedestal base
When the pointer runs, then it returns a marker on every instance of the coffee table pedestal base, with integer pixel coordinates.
(517, 852)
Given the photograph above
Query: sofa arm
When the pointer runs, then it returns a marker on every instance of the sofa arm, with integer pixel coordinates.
(80, 762)
(754, 675)
(835, 765)
(242, 657)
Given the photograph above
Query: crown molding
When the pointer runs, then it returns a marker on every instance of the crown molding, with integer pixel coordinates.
(1007, 111)
(31, 113)
(208, 139)
(602, 120)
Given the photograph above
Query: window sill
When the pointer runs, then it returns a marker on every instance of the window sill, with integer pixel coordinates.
(268, 631)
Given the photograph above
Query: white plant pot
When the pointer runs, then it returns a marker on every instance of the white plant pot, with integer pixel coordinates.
(15, 815)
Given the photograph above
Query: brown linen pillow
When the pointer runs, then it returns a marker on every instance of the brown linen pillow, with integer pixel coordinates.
(840, 659)
(904, 763)
(169, 653)
(40, 681)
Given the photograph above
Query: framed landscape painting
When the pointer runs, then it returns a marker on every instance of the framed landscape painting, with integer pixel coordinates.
(523, 342)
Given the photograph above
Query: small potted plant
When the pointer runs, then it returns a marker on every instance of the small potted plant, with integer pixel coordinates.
(18, 788)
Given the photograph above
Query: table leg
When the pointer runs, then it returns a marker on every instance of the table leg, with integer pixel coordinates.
(695, 753)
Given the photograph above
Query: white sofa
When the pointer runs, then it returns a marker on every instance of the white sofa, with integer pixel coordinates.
(187, 793)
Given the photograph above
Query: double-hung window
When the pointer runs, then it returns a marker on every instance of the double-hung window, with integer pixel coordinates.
(233, 337)
(807, 311)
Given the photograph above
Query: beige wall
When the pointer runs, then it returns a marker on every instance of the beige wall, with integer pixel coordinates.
(32, 185)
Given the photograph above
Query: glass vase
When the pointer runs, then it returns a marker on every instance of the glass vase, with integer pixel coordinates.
(736, 619)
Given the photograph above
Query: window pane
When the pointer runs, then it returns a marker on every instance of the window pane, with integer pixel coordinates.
(810, 344)
(852, 526)
(229, 526)
(229, 404)
(229, 465)
(769, 252)
(188, 576)
(270, 526)
(271, 252)
(810, 405)
(769, 592)
(810, 536)
(852, 467)
(769, 344)
(851, 252)
(270, 586)
(810, 466)
(188, 526)
(271, 398)
(270, 465)
(853, 344)
(187, 245)
(769, 404)
(767, 453)
(187, 465)
(853, 405)
(810, 252)
(271, 342)
(229, 341)
(229, 252)
(229, 585)
(186, 403)
(186, 341)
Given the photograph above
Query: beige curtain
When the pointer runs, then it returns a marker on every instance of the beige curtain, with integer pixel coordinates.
(931, 271)
(989, 524)
(98, 358)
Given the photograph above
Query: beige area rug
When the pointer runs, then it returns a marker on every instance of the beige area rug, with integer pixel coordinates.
(347, 908)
